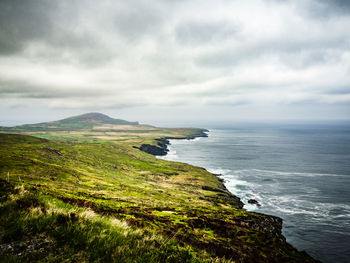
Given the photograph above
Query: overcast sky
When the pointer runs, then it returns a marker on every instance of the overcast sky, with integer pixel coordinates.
(175, 61)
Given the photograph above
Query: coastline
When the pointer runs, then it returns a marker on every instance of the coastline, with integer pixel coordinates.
(271, 224)
(175, 198)
(160, 148)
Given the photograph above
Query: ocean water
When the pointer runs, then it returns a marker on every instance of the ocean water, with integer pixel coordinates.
(300, 173)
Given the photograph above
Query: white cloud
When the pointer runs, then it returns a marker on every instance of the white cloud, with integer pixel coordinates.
(96, 55)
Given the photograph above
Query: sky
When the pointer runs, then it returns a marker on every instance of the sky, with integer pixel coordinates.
(175, 62)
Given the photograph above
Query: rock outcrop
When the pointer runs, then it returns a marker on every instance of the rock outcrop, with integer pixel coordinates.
(161, 148)
(253, 202)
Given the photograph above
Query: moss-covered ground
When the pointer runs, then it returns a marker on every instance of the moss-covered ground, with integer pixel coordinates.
(91, 196)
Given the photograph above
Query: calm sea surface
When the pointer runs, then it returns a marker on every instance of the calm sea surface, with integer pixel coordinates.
(300, 173)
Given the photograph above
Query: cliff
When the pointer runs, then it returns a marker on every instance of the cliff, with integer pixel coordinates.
(161, 146)
(103, 200)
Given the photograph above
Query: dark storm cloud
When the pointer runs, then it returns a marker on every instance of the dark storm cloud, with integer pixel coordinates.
(324, 9)
(58, 26)
(84, 33)
(54, 22)
(26, 90)
(338, 6)
(333, 5)
(23, 21)
(317, 9)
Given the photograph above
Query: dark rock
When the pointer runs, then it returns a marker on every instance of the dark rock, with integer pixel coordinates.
(162, 142)
(254, 202)
(53, 151)
(230, 198)
(160, 149)
(272, 225)
(154, 150)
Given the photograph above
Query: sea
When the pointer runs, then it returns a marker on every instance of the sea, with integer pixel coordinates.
(299, 172)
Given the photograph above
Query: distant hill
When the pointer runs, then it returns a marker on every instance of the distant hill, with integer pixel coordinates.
(84, 121)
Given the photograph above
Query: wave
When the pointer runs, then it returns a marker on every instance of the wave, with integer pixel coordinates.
(220, 171)
(280, 197)
(171, 155)
(225, 171)
(304, 174)
(274, 200)
(274, 171)
(197, 139)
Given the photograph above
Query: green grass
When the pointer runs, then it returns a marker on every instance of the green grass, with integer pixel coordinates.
(106, 201)
(63, 232)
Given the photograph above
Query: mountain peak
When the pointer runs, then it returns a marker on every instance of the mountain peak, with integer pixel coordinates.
(94, 118)
(79, 122)
(94, 115)
(89, 117)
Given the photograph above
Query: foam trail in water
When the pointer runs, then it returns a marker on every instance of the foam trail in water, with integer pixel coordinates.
(300, 175)
(269, 193)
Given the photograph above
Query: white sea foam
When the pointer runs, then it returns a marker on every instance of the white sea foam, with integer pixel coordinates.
(172, 155)
(220, 171)
(291, 204)
(266, 187)
(288, 173)
(197, 139)
(307, 201)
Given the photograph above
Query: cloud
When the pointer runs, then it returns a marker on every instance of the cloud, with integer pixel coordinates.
(118, 54)
(205, 32)
(22, 22)
(330, 7)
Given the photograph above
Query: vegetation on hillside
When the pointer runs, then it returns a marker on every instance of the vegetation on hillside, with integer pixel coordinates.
(80, 122)
(95, 197)
(40, 228)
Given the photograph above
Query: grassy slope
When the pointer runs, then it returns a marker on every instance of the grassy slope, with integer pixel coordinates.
(81, 122)
(164, 205)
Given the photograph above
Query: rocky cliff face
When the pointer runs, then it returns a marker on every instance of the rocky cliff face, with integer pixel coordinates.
(271, 225)
(161, 148)
(241, 235)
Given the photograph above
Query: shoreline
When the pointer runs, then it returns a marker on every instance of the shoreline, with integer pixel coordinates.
(190, 203)
(161, 147)
(274, 221)
(162, 150)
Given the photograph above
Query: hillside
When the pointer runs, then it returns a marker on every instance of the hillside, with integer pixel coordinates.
(94, 198)
(84, 121)
(92, 127)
